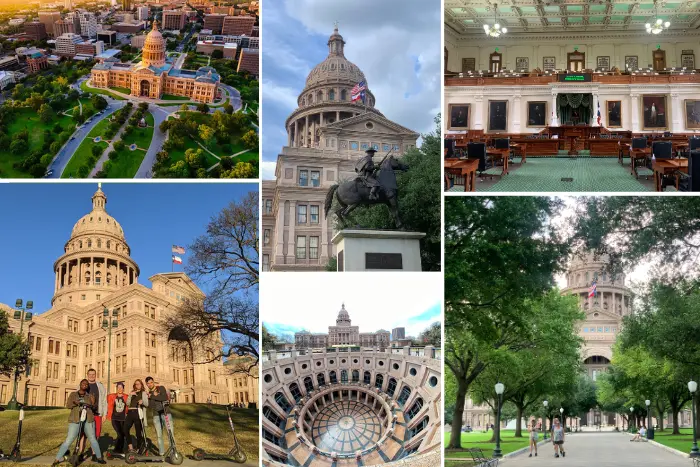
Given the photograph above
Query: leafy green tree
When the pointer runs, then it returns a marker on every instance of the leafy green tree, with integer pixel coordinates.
(206, 133)
(250, 139)
(35, 100)
(83, 171)
(98, 102)
(203, 108)
(194, 158)
(268, 339)
(240, 170)
(55, 147)
(432, 335)
(18, 146)
(228, 108)
(46, 159)
(97, 150)
(119, 145)
(216, 54)
(14, 349)
(184, 108)
(46, 113)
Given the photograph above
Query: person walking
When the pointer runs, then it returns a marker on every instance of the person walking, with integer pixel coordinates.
(558, 438)
(136, 402)
(97, 389)
(534, 435)
(116, 413)
(75, 402)
(156, 396)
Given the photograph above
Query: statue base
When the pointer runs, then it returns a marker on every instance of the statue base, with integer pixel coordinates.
(378, 250)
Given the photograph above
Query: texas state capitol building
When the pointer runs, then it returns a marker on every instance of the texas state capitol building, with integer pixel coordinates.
(95, 271)
(156, 75)
(326, 135)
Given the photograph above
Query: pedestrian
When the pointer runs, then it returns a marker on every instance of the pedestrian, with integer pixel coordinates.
(558, 438)
(116, 413)
(97, 389)
(533, 436)
(156, 396)
(136, 402)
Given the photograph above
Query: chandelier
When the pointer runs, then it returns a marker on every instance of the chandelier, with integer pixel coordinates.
(658, 25)
(496, 30)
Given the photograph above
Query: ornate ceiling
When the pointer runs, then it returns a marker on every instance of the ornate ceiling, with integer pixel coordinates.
(465, 18)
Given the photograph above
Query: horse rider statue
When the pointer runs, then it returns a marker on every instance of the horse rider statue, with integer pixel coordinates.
(366, 169)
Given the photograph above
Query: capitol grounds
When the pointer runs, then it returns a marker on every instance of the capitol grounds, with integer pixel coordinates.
(100, 262)
(581, 308)
(57, 125)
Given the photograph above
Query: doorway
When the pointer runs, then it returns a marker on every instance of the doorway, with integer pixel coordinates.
(659, 59)
(576, 61)
(145, 88)
(495, 62)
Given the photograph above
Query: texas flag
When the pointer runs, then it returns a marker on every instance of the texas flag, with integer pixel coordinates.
(180, 250)
(177, 259)
(592, 290)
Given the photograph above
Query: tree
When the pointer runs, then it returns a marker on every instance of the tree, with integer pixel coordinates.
(206, 133)
(98, 102)
(83, 171)
(35, 100)
(18, 146)
(46, 113)
(268, 340)
(226, 259)
(194, 158)
(432, 335)
(78, 117)
(217, 54)
(420, 192)
(226, 162)
(250, 139)
(487, 238)
(240, 170)
(55, 147)
(228, 108)
(14, 349)
(97, 150)
(184, 108)
(119, 145)
(203, 108)
(46, 159)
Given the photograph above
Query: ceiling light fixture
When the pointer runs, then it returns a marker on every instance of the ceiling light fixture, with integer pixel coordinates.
(496, 30)
(657, 25)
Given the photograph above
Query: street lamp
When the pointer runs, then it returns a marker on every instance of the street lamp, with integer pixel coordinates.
(499, 391)
(545, 403)
(650, 429)
(692, 387)
(108, 325)
(22, 315)
(631, 419)
(561, 412)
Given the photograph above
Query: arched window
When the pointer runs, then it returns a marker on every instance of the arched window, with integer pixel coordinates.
(321, 379)
(331, 95)
(378, 381)
(367, 378)
(343, 376)
(87, 277)
(415, 408)
(319, 96)
(80, 244)
(98, 278)
(109, 278)
(89, 245)
(109, 244)
(99, 243)
(391, 388)
(333, 377)
(273, 417)
(355, 376)
(308, 384)
(282, 402)
(403, 397)
(418, 428)
(343, 95)
(296, 393)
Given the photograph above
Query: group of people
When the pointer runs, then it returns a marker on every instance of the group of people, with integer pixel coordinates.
(124, 410)
(557, 432)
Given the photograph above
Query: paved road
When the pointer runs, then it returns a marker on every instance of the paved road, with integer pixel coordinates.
(601, 450)
(234, 97)
(160, 114)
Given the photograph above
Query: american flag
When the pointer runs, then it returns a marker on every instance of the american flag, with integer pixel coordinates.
(592, 290)
(358, 92)
(178, 249)
(598, 113)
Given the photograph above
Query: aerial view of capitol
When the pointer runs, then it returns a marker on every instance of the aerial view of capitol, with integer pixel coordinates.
(129, 90)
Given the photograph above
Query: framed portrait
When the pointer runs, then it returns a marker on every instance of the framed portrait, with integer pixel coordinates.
(459, 116)
(692, 114)
(468, 64)
(631, 62)
(522, 63)
(614, 114)
(537, 113)
(603, 63)
(498, 115)
(549, 63)
(654, 112)
(688, 59)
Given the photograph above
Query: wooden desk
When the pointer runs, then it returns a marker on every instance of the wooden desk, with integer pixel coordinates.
(466, 168)
(520, 148)
(604, 147)
(663, 167)
(635, 155)
(539, 147)
(500, 154)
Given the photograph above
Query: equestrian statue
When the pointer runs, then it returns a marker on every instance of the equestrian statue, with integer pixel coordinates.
(374, 184)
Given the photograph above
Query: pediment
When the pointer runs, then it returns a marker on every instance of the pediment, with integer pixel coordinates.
(598, 314)
(180, 279)
(370, 123)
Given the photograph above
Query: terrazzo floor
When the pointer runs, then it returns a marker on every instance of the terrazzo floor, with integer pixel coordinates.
(346, 427)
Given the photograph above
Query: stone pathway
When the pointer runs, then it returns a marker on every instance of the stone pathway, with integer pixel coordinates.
(105, 154)
(601, 450)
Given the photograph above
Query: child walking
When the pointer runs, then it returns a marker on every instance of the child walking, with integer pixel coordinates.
(533, 436)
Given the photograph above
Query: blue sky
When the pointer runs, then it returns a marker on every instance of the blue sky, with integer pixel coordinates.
(38, 218)
(311, 301)
(396, 43)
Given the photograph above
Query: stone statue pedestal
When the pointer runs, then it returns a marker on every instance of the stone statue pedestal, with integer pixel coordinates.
(378, 250)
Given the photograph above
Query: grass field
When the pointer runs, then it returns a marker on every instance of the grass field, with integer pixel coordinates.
(509, 443)
(170, 97)
(142, 136)
(179, 154)
(682, 442)
(126, 164)
(27, 118)
(120, 89)
(202, 425)
(80, 156)
(85, 88)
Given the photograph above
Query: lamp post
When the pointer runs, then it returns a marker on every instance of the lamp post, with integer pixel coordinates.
(650, 429)
(22, 315)
(631, 419)
(108, 325)
(692, 387)
(545, 403)
(499, 392)
(561, 414)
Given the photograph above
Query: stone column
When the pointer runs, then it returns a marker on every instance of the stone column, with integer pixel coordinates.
(324, 236)
(553, 121)
(516, 112)
(675, 124)
(595, 110)
(478, 113)
(337, 115)
(291, 241)
(634, 112)
(55, 282)
(306, 132)
(296, 134)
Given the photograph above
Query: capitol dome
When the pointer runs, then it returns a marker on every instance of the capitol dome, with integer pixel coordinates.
(343, 316)
(154, 48)
(335, 68)
(98, 221)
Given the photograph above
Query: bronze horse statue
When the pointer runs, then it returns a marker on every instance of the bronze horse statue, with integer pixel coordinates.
(354, 193)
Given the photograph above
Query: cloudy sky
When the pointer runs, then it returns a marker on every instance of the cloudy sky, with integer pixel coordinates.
(396, 43)
(311, 301)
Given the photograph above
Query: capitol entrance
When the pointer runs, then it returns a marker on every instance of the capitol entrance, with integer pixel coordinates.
(145, 88)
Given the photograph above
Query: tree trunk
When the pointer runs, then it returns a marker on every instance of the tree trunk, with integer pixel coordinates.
(518, 422)
(674, 411)
(660, 417)
(456, 434)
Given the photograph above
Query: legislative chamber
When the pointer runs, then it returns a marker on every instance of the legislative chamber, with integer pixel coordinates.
(577, 96)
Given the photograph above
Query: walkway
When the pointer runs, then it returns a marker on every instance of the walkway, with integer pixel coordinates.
(601, 450)
(105, 154)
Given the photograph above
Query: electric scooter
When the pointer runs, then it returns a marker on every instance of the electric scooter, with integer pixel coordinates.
(143, 455)
(14, 455)
(236, 454)
(74, 458)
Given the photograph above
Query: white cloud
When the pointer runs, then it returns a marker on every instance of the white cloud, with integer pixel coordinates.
(311, 301)
(282, 96)
(268, 170)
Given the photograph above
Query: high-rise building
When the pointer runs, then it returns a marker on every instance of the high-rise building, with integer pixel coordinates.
(238, 25)
(398, 333)
(48, 18)
(37, 61)
(215, 22)
(88, 25)
(142, 13)
(67, 4)
(249, 61)
(35, 30)
(74, 17)
(64, 26)
(108, 37)
(174, 19)
(65, 44)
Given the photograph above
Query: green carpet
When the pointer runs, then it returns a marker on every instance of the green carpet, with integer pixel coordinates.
(589, 174)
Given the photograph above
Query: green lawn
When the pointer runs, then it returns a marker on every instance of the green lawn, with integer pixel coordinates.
(85, 88)
(80, 157)
(126, 164)
(142, 136)
(682, 442)
(202, 425)
(179, 154)
(170, 97)
(27, 118)
(481, 440)
(216, 148)
(120, 89)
